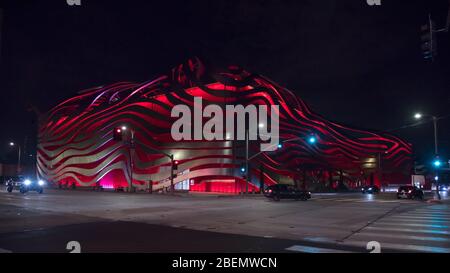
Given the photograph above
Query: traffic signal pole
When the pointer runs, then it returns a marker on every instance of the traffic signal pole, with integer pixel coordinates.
(435, 119)
(172, 165)
(246, 161)
(117, 136)
(432, 45)
(130, 148)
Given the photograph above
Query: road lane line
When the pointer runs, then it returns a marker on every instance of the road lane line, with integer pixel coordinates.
(434, 225)
(421, 217)
(375, 236)
(2, 250)
(391, 246)
(311, 249)
(430, 231)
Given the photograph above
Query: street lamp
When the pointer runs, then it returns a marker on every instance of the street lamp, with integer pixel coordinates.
(12, 144)
(436, 163)
(435, 119)
(131, 145)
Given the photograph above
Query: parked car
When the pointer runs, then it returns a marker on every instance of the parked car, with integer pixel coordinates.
(370, 189)
(282, 191)
(14, 182)
(410, 192)
(25, 184)
(444, 187)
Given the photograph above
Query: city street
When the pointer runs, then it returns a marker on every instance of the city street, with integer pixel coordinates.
(123, 222)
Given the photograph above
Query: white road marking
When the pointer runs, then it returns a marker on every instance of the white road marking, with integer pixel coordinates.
(395, 223)
(311, 249)
(377, 236)
(399, 247)
(431, 231)
(2, 250)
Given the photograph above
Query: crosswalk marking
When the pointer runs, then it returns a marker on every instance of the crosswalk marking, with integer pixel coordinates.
(422, 217)
(413, 225)
(423, 230)
(408, 220)
(380, 236)
(431, 231)
(311, 249)
(402, 247)
(427, 213)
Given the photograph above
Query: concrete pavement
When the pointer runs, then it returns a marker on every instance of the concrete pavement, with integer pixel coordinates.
(326, 223)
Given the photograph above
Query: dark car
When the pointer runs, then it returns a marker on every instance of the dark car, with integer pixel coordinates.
(25, 184)
(281, 191)
(410, 192)
(14, 182)
(370, 189)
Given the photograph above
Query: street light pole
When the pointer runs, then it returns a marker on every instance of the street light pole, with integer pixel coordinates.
(246, 161)
(435, 119)
(170, 156)
(131, 147)
(19, 153)
(172, 164)
(436, 151)
(18, 159)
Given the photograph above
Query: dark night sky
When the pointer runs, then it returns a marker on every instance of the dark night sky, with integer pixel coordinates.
(355, 64)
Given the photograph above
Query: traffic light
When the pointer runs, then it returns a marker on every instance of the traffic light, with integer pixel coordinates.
(428, 40)
(437, 163)
(312, 139)
(117, 134)
(175, 165)
(242, 168)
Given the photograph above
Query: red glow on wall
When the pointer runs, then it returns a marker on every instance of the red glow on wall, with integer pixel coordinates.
(76, 139)
(217, 186)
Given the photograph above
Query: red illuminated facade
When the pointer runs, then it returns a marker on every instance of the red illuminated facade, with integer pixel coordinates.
(77, 144)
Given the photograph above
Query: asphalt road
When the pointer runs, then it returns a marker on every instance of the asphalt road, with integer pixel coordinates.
(123, 222)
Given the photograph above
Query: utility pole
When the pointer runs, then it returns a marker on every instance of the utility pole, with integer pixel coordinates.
(428, 36)
(150, 186)
(1, 22)
(435, 119)
(246, 162)
(130, 148)
(436, 154)
(172, 165)
(19, 169)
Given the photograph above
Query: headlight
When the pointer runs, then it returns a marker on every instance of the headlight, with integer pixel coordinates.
(410, 191)
(41, 182)
(27, 182)
(370, 189)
